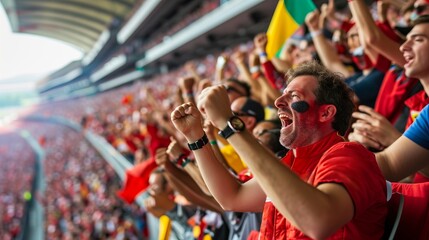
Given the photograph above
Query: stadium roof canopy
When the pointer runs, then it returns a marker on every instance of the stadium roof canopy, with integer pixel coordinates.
(77, 22)
(115, 36)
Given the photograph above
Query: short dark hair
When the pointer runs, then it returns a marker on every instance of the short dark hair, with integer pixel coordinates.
(407, 7)
(161, 172)
(331, 89)
(421, 20)
(244, 85)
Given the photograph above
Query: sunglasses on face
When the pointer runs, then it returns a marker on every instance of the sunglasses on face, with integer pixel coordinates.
(230, 89)
(352, 35)
(241, 114)
(421, 8)
(269, 131)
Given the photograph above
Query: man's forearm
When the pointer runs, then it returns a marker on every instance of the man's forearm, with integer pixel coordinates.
(186, 186)
(302, 204)
(220, 182)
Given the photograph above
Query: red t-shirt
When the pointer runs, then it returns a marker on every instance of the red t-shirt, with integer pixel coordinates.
(396, 87)
(333, 161)
(414, 222)
(416, 103)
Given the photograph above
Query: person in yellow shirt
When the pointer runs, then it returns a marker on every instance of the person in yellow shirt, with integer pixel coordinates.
(251, 112)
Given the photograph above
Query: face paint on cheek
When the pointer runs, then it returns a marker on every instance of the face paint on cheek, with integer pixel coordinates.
(300, 106)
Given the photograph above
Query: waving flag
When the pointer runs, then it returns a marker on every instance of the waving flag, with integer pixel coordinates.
(288, 17)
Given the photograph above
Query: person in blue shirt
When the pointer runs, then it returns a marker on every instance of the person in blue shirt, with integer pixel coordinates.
(410, 152)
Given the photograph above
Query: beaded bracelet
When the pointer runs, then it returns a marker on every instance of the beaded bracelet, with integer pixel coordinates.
(185, 162)
(179, 161)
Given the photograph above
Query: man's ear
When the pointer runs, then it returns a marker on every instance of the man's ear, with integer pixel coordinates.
(327, 112)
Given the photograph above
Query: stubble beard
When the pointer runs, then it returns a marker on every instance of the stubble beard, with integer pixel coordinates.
(287, 139)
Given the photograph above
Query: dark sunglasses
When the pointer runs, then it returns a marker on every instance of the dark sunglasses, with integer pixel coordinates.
(241, 114)
(230, 89)
(270, 131)
(353, 35)
(421, 8)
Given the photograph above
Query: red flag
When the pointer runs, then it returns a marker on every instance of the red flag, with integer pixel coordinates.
(137, 180)
(127, 99)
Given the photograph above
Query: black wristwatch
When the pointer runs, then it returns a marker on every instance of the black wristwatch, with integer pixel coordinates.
(200, 143)
(234, 125)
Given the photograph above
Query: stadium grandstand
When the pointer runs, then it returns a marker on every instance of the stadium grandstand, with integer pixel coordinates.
(103, 155)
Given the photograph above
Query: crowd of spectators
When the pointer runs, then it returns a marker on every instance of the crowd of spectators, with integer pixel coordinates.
(364, 44)
(128, 107)
(80, 199)
(16, 172)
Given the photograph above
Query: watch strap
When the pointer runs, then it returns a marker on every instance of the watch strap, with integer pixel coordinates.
(230, 129)
(200, 143)
(226, 132)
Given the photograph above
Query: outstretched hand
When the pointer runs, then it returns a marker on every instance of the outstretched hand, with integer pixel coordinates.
(375, 126)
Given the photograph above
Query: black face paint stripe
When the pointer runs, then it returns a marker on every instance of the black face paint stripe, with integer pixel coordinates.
(300, 106)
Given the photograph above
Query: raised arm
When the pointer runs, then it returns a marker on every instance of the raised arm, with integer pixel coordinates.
(327, 53)
(271, 72)
(184, 184)
(401, 159)
(210, 131)
(239, 60)
(220, 68)
(191, 68)
(306, 207)
(176, 152)
(230, 194)
(409, 153)
(186, 85)
(372, 35)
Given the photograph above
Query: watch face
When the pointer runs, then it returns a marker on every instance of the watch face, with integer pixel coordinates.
(237, 124)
